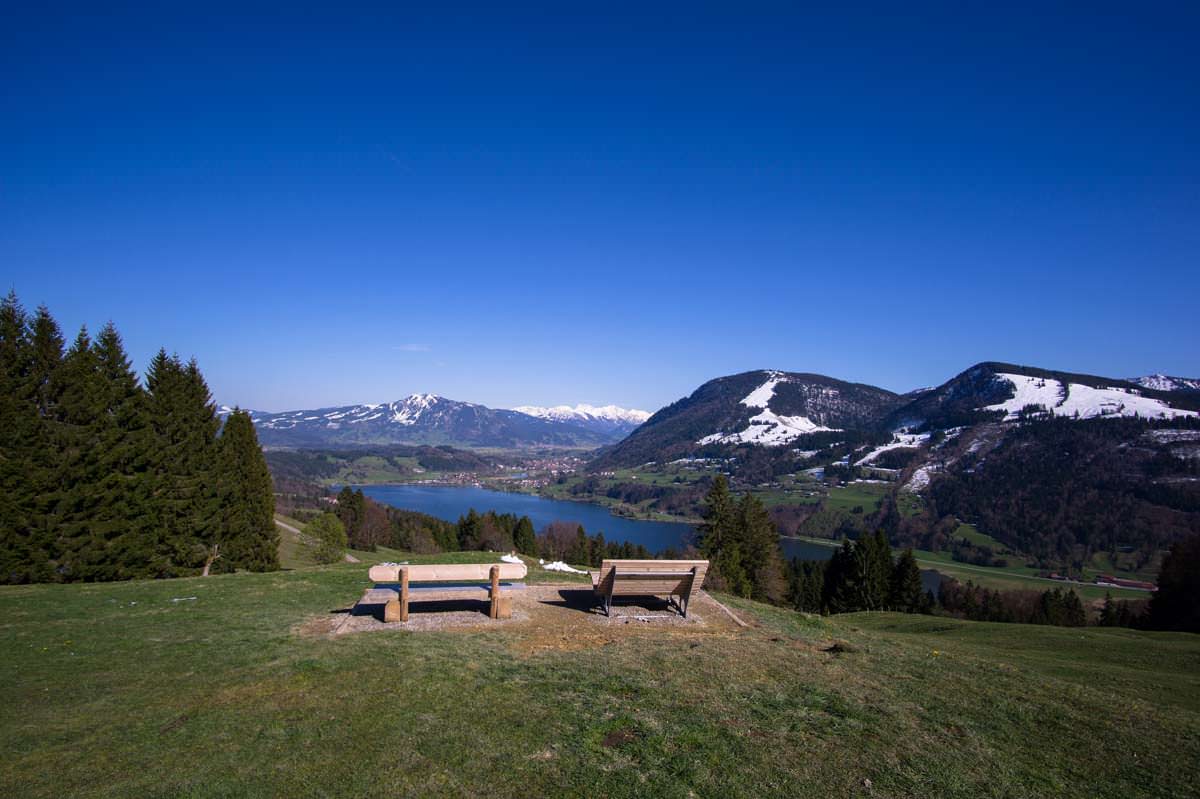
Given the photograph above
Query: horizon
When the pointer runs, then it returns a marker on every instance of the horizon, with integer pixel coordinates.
(518, 208)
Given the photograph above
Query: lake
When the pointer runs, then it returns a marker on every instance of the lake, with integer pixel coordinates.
(450, 502)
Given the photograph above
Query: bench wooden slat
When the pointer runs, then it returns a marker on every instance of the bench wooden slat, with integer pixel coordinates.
(446, 572)
(680, 578)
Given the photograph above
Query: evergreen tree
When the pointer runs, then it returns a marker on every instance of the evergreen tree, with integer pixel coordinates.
(906, 592)
(841, 580)
(103, 479)
(247, 537)
(468, 530)
(1108, 614)
(1176, 603)
(524, 538)
(719, 540)
(760, 545)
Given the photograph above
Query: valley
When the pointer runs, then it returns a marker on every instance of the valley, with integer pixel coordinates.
(946, 470)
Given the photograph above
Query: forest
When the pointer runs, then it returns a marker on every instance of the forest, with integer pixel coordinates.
(107, 477)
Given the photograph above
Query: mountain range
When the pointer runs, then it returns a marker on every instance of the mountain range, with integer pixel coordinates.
(783, 410)
(427, 419)
(1056, 466)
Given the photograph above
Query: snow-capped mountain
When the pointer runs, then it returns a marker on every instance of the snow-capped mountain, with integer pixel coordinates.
(423, 419)
(607, 419)
(1167, 383)
(998, 391)
(765, 408)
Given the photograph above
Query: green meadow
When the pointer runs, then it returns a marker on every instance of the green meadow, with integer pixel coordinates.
(215, 687)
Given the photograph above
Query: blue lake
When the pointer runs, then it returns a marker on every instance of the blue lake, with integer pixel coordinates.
(450, 502)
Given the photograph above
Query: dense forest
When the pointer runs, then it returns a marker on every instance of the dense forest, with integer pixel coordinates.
(105, 477)
(1061, 489)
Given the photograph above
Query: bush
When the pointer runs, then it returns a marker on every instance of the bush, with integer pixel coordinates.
(330, 535)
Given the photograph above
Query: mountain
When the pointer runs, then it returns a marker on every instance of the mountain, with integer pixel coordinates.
(994, 391)
(608, 420)
(422, 419)
(764, 408)
(1056, 466)
(1167, 383)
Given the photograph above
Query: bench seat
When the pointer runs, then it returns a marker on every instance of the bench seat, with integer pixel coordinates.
(437, 582)
(670, 578)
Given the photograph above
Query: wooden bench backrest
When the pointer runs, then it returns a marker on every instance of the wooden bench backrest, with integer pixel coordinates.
(630, 582)
(447, 572)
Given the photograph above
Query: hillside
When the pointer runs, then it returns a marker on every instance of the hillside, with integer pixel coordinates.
(225, 686)
(763, 408)
(1055, 470)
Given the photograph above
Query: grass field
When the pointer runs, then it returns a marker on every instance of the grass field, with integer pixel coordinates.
(210, 687)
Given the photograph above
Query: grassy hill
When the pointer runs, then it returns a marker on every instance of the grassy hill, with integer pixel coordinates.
(213, 687)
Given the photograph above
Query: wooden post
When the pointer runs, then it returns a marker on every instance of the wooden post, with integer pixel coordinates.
(494, 611)
(403, 594)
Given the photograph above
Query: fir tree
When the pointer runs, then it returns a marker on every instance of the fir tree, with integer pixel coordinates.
(760, 546)
(1176, 603)
(719, 540)
(906, 592)
(247, 538)
(524, 538)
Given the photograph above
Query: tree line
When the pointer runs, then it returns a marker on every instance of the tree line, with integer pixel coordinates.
(358, 522)
(107, 477)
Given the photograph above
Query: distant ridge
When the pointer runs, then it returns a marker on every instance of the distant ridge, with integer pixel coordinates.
(429, 419)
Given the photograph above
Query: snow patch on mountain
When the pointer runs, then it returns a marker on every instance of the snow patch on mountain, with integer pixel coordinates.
(767, 428)
(586, 413)
(1158, 382)
(898, 441)
(1076, 399)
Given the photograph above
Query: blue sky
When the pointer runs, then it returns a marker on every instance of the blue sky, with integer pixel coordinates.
(524, 206)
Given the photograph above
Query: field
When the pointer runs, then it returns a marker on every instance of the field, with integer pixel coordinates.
(212, 687)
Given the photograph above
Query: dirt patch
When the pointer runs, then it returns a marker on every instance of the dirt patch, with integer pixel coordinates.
(550, 617)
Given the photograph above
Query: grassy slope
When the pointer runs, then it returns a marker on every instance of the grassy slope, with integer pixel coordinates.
(115, 690)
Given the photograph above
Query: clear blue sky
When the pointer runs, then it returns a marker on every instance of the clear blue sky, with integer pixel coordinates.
(512, 206)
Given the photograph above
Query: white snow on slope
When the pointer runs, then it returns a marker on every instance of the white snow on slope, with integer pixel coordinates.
(584, 412)
(767, 428)
(1166, 383)
(761, 396)
(898, 440)
(1075, 398)
(559, 566)
(919, 480)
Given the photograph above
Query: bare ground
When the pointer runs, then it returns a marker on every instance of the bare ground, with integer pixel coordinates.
(545, 617)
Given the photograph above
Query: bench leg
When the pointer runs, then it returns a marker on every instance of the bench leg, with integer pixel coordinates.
(494, 610)
(404, 595)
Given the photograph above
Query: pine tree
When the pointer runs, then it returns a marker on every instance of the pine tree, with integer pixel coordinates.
(841, 580)
(524, 539)
(247, 538)
(906, 592)
(1176, 603)
(719, 540)
(760, 545)
(19, 561)
(1108, 615)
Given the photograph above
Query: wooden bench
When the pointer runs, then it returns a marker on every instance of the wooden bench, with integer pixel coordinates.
(672, 578)
(428, 576)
